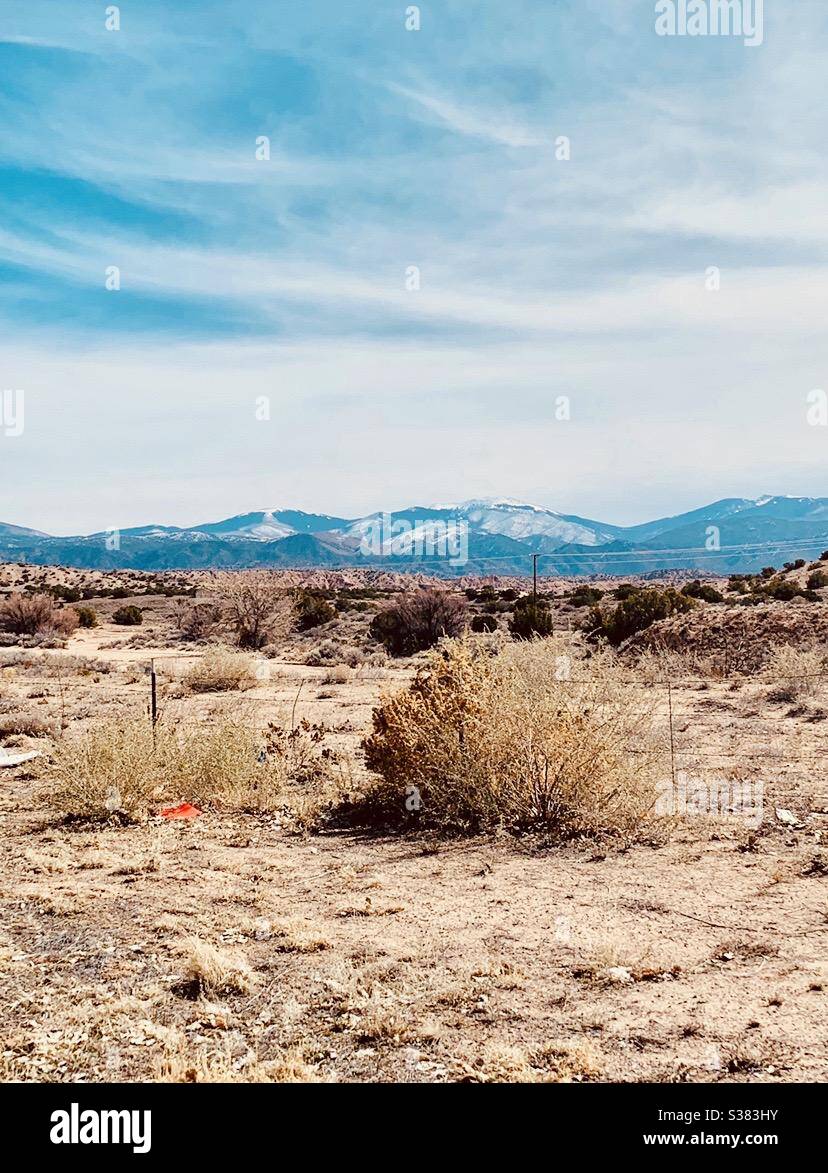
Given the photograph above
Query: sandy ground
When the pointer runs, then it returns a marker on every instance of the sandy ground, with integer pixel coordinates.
(701, 955)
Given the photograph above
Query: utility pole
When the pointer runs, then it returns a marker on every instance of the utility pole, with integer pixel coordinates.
(534, 578)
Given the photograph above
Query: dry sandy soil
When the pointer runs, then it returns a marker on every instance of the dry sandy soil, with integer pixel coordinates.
(697, 954)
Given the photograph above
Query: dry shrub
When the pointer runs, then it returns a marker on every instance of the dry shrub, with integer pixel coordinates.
(199, 621)
(256, 607)
(225, 765)
(208, 970)
(107, 769)
(26, 725)
(325, 652)
(298, 935)
(36, 615)
(339, 674)
(482, 739)
(796, 674)
(221, 670)
(418, 620)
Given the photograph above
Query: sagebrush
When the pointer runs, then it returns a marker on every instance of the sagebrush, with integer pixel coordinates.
(481, 739)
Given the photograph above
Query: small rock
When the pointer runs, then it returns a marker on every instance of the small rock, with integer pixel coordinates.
(619, 974)
(787, 817)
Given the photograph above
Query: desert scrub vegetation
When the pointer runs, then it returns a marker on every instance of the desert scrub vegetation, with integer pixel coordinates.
(481, 740)
(211, 971)
(796, 675)
(36, 615)
(120, 769)
(221, 670)
(130, 616)
(418, 620)
(198, 621)
(255, 606)
(311, 609)
(531, 617)
(637, 611)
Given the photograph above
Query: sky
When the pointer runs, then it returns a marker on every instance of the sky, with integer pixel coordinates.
(392, 308)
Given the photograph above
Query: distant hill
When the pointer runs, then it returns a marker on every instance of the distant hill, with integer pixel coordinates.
(481, 536)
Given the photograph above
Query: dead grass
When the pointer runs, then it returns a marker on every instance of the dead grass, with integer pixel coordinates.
(119, 768)
(796, 673)
(211, 971)
(181, 1063)
(222, 670)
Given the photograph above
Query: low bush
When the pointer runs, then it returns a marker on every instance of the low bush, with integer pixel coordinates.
(817, 580)
(311, 609)
(221, 670)
(635, 613)
(795, 674)
(531, 617)
(130, 616)
(36, 615)
(418, 620)
(699, 590)
(482, 623)
(86, 617)
(585, 596)
(480, 740)
(119, 769)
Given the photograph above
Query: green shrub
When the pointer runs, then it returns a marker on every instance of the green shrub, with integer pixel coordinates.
(312, 609)
(781, 589)
(86, 617)
(65, 594)
(817, 580)
(637, 612)
(128, 616)
(698, 590)
(484, 623)
(531, 617)
(585, 596)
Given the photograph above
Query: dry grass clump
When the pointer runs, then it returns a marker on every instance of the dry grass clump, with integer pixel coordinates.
(298, 935)
(481, 739)
(26, 725)
(222, 670)
(182, 1063)
(118, 768)
(796, 673)
(110, 768)
(208, 970)
(339, 674)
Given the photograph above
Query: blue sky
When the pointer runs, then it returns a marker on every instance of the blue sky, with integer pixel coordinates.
(286, 278)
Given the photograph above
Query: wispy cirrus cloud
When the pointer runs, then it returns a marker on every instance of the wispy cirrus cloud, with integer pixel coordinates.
(392, 152)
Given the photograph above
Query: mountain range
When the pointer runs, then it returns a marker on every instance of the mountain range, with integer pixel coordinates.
(486, 536)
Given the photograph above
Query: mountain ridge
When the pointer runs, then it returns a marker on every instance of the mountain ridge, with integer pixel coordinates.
(477, 536)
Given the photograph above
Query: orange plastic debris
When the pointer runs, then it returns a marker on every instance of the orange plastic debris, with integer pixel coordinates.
(185, 811)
